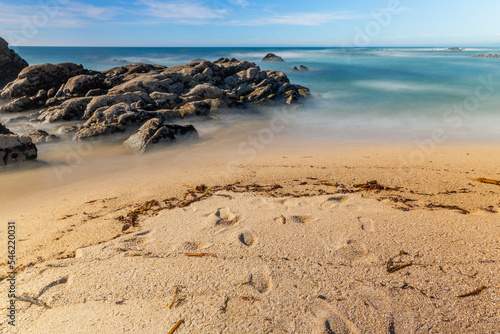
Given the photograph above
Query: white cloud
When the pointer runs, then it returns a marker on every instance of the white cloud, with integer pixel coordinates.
(242, 3)
(297, 19)
(182, 10)
(70, 15)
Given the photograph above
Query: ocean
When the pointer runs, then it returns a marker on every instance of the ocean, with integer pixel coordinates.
(381, 94)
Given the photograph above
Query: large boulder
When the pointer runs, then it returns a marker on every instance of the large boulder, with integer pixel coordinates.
(14, 148)
(271, 57)
(154, 133)
(11, 64)
(35, 78)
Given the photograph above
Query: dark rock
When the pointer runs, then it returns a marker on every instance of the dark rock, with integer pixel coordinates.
(4, 130)
(45, 76)
(40, 136)
(295, 69)
(273, 58)
(18, 105)
(153, 132)
(494, 56)
(11, 64)
(14, 148)
(303, 68)
(198, 108)
(67, 129)
(73, 109)
(454, 49)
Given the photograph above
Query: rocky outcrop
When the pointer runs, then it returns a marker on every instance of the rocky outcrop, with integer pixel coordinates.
(38, 80)
(491, 55)
(273, 58)
(11, 64)
(14, 148)
(454, 49)
(124, 98)
(155, 133)
(40, 136)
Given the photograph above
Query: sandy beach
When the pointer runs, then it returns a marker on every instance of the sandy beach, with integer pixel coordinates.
(298, 239)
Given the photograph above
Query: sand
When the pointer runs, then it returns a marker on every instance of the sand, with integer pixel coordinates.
(294, 245)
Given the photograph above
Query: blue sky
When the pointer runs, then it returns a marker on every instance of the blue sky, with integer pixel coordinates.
(251, 23)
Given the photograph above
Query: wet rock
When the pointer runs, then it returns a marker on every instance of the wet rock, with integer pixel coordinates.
(154, 133)
(14, 148)
(271, 57)
(45, 76)
(80, 85)
(491, 55)
(109, 100)
(4, 130)
(198, 108)
(303, 68)
(295, 69)
(11, 64)
(40, 136)
(73, 109)
(18, 105)
(205, 91)
(66, 130)
(166, 100)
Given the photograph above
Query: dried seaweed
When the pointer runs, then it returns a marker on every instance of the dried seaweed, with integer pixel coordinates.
(176, 326)
(374, 185)
(32, 300)
(394, 264)
(177, 290)
(223, 308)
(489, 181)
(449, 207)
(199, 254)
(475, 292)
(251, 298)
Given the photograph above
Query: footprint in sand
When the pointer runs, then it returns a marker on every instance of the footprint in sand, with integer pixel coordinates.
(334, 202)
(223, 217)
(192, 246)
(261, 280)
(354, 252)
(294, 219)
(385, 310)
(331, 320)
(366, 224)
(247, 238)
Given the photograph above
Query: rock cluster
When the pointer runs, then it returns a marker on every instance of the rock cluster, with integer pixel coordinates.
(14, 148)
(454, 49)
(301, 68)
(273, 58)
(10, 63)
(496, 56)
(128, 96)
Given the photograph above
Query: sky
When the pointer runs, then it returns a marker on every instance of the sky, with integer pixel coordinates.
(212, 23)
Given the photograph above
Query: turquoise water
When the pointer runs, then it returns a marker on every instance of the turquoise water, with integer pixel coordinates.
(371, 93)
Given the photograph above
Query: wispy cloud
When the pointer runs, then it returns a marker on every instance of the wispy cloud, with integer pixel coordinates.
(182, 10)
(70, 15)
(242, 3)
(297, 19)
